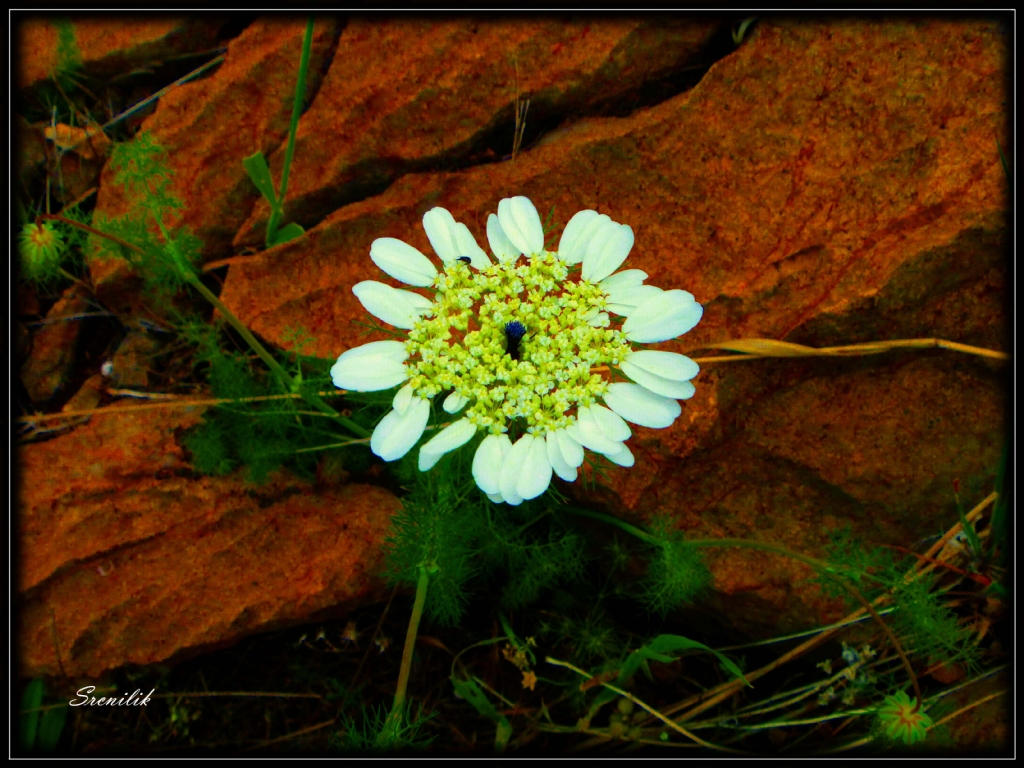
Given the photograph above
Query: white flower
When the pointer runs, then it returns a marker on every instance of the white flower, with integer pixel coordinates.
(520, 346)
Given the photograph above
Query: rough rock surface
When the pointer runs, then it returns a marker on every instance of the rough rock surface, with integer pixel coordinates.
(428, 92)
(46, 369)
(126, 558)
(827, 183)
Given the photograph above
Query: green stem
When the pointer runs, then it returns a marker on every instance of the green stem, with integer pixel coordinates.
(632, 530)
(283, 376)
(394, 721)
(300, 95)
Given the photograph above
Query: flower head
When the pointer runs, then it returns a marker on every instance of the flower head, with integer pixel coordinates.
(519, 345)
(41, 247)
(901, 720)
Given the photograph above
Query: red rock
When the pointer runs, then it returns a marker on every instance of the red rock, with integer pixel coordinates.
(128, 559)
(111, 45)
(53, 347)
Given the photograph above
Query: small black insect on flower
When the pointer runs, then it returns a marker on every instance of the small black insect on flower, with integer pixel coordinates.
(514, 332)
(464, 259)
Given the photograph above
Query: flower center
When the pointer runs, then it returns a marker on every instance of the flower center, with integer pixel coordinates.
(476, 343)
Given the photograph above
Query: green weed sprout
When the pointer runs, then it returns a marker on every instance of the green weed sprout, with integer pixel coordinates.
(366, 737)
(258, 170)
(902, 719)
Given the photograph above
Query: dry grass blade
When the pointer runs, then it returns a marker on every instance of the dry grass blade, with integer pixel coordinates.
(771, 348)
(177, 402)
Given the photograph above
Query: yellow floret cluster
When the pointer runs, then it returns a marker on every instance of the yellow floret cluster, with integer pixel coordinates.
(462, 345)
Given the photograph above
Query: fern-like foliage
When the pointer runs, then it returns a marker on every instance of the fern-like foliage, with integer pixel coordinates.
(928, 628)
(161, 259)
(676, 572)
(259, 436)
(436, 530)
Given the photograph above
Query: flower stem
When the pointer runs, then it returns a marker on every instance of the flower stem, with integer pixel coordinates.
(394, 722)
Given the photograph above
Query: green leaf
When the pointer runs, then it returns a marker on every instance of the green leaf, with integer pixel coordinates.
(470, 691)
(286, 233)
(738, 33)
(32, 699)
(258, 170)
(50, 728)
(661, 649)
(972, 536)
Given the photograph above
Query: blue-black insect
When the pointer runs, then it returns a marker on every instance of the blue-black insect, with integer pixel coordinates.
(514, 332)
(465, 259)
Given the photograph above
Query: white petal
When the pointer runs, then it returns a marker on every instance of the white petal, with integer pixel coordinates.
(590, 434)
(402, 261)
(496, 498)
(501, 246)
(664, 373)
(398, 432)
(679, 390)
(573, 244)
(520, 221)
(557, 461)
(391, 305)
(623, 301)
(454, 403)
(623, 456)
(488, 461)
(512, 470)
(606, 252)
(403, 399)
(535, 476)
(448, 439)
(668, 365)
(610, 423)
(371, 367)
(662, 317)
(627, 278)
(439, 225)
(572, 450)
(641, 406)
(599, 320)
(467, 246)
(579, 240)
